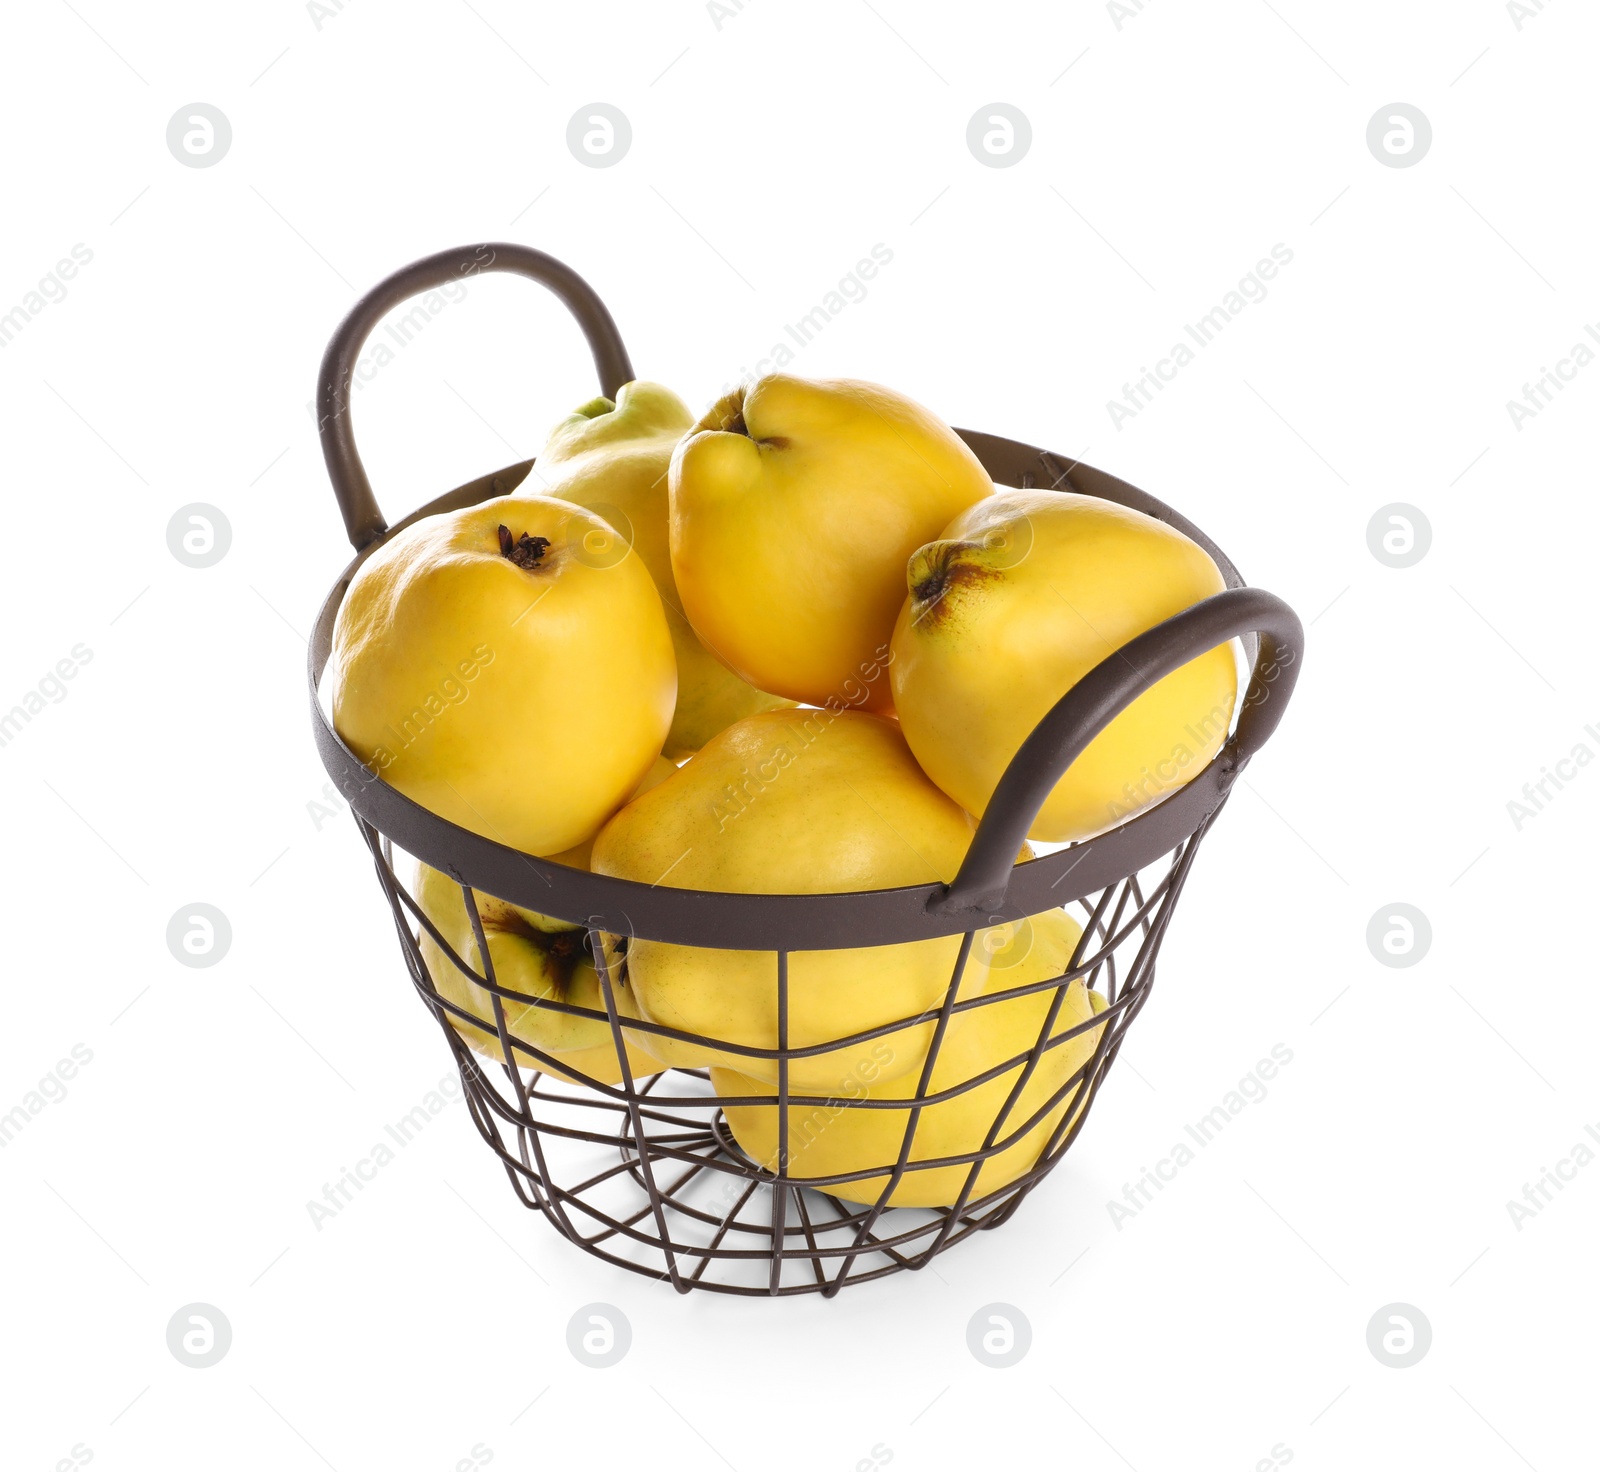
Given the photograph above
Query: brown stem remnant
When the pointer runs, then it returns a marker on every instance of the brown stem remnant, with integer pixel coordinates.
(526, 552)
(936, 574)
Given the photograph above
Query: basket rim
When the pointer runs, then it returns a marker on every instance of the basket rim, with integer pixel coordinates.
(737, 920)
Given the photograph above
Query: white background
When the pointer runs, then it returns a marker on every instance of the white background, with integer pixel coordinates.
(769, 154)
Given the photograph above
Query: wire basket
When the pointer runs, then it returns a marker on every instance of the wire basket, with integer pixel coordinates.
(646, 1173)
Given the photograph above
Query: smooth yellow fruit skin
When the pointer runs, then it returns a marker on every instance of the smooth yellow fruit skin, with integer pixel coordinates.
(795, 504)
(792, 802)
(522, 703)
(612, 458)
(836, 1139)
(1019, 599)
(578, 857)
(538, 957)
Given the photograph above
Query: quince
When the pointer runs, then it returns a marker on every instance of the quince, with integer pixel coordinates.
(795, 505)
(838, 1138)
(538, 957)
(792, 802)
(1021, 596)
(612, 458)
(492, 667)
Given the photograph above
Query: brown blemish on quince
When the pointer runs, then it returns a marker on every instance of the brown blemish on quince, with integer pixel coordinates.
(948, 572)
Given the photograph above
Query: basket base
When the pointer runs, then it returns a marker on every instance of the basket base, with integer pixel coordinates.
(691, 1199)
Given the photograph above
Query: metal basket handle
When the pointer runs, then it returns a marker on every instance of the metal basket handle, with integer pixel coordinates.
(363, 521)
(1086, 709)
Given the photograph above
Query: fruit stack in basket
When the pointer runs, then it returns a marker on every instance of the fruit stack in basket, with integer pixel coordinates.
(789, 648)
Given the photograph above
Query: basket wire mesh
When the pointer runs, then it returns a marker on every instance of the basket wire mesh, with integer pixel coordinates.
(647, 1174)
